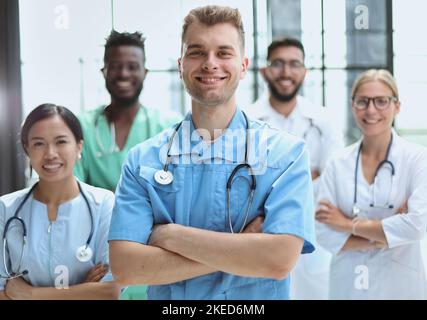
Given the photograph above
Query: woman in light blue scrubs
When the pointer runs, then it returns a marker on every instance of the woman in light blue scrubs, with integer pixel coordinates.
(64, 222)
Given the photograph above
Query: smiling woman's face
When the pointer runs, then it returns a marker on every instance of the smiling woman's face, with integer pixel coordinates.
(52, 149)
(372, 121)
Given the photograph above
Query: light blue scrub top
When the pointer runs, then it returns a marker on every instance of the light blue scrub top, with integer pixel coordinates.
(197, 198)
(48, 254)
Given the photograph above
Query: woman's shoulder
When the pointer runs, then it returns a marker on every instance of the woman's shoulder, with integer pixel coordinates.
(411, 148)
(10, 202)
(411, 155)
(12, 198)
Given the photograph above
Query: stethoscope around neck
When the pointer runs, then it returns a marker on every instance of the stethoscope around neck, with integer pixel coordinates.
(165, 177)
(311, 126)
(83, 253)
(356, 209)
(113, 146)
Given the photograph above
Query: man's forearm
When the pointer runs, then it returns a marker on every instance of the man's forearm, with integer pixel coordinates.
(253, 255)
(133, 263)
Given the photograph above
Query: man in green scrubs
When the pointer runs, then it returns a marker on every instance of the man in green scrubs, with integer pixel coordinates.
(110, 131)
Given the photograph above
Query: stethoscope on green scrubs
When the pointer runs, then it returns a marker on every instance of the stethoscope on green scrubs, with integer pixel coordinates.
(113, 146)
(165, 177)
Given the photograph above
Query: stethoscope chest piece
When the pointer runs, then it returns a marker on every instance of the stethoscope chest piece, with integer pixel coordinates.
(163, 177)
(356, 211)
(84, 253)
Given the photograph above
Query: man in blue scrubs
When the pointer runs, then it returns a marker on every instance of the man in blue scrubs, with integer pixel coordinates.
(178, 231)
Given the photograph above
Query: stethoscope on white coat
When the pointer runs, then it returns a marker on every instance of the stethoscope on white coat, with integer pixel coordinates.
(312, 126)
(356, 209)
(113, 147)
(165, 177)
(83, 253)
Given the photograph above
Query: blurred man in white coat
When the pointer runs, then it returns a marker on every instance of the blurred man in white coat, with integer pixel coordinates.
(284, 109)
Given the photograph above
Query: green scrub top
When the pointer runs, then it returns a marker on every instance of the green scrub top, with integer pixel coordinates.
(101, 161)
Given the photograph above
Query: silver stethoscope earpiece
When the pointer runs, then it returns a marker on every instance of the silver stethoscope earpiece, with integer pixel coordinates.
(165, 177)
(83, 253)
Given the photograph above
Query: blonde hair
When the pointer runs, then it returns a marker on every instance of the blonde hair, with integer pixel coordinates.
(212, 15)
(371, 75)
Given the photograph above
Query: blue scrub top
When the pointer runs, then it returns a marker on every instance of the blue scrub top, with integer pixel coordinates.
(50, 253)
(197, 198)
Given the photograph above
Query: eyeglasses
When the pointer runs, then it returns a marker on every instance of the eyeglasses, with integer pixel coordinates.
(278, 65)
(380, 103)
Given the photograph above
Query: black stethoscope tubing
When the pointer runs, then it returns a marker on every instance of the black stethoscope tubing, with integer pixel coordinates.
(231, 177)
(24, 227)
(312, 125)
(385, 161)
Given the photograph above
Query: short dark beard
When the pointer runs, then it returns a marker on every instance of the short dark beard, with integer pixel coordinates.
(125, 102)
(282, 97)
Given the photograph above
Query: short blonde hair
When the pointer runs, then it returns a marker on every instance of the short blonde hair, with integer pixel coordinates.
(381, 75)
(212, 15)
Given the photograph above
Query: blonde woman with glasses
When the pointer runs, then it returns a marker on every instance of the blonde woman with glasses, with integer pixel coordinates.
(372, 203)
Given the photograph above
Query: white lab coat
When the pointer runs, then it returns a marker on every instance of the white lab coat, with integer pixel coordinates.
(393, 273)
(297, 123)
(309, 278)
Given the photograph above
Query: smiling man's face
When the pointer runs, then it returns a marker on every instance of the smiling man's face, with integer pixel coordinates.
(124, 74)
(212, 63)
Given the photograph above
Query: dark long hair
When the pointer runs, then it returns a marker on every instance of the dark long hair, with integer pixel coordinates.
(48, 110)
